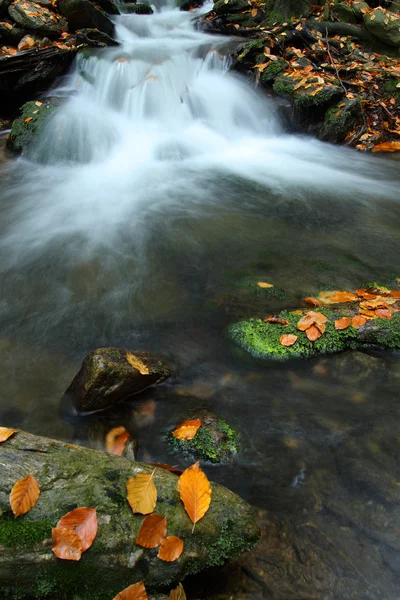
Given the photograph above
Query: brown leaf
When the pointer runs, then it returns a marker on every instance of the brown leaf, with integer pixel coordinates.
(137, 591)
(187, 430)
(383, 313)
(152, 531)
(116, 440)
(5, 433)
(195, 492)
(288, 340)
(342, 323)
(171, 549)
(365, 294)
(173, 469)
(178, 593)
(313, 333)
(66, 544)
(395, 294)
(336, 297)
(83, 522)
(276, 319)
(358, 321)
(142, 493)
(312, 300)
(24, 495)
(387, 147)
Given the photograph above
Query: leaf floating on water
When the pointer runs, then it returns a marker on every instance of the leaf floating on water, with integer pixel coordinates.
(342, 323)
(152, 531)
(67, 544)
(358, 321)
(6, 433)
(137, 591)
(195, 492)
(116, 440)
(24, 495)
(171, 549)
(276, 319)
(313, 333)
(288, 340)
(178, 593)
(83, 522)
(142, 493)
(263, 284)
(187, 430)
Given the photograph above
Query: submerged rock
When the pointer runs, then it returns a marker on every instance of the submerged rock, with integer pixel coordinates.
(33, 16)
(108, 375)
(69, 477)
(82, 13)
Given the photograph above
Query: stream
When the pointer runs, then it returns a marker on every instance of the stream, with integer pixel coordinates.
(160, 188)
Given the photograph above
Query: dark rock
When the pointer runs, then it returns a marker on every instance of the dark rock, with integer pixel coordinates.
(344, 12)
(26, 128)
(108, 375)
(231, 7)
(10, 34)
(138, 9)
(384, 25)
(4, 4)
(31, 15)
(108, 6)
(94, 38)
(340, 120)
(191, 5)
(82, 14)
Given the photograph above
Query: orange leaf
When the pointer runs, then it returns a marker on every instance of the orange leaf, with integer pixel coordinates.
(337, 297)
(187, 430)
(28, 119)
(342, 323)
(358, 321)
(395, 294)
(313, 333)
(24, 495)
(137, 591)
(312, 300)
(288, 340)
(83, 522)
(142, 493)
(305, 322)
(178, 593)
(152, 531)
(387, 147)
(383, 313)
(116, 440)
(365, 294)
(276, 320)
(5, 433)
(195, 492)
(66, 544)
(174, 469)
(171, 549)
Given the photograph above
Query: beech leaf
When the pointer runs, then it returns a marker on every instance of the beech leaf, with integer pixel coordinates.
(276, 320)
(116, 440)
(358, 321)
(137, 591)
(178, 593)
(313, 333)
(83, 522)
(24, 495)
(142, 493)
(152, 531)
(5, 433)
(342, 323)
(66, 543)
(288, 340)
(187, 430)
(173, 469)
(264, 284)
(195, 492)
(171, 548)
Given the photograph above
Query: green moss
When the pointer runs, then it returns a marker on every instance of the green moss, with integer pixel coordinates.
(24, 132)
(340, 120)
(388, 334)
(283, 87)
(216, 442)
(391, 89)
(273, 70)
(227, 545)
(21, 532)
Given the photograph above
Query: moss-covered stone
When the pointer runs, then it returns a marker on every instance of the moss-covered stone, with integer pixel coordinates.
(214, 441)
(384, 25)
(26, 128)
(32, 16)
(340, 120)
(273, 69)
(138, 9)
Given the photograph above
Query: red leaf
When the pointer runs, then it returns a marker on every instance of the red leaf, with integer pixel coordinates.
(83, 522)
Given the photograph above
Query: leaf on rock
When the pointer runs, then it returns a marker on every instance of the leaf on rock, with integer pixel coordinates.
(313, 333)
(383, 313)
(171, 549)
(312, 300)
(387, 147)
(276, 320)
(66, 543)
(263, 284)
(178, 593)
(116, 440)
(24, 495)
(6, 433)
(305, 322)
(137, 363)
(187, 430)
(195, 492)
(336, 297)
(83, 522)
(288, 340)
(137, 591)
(28, 119)
(142, 493)
(343, 323)
(152, 531)
(173, 469)
(358, 321)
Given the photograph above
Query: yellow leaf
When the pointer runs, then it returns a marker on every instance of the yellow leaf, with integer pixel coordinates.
(263, 284)
(187, 430)
(5, 433)
(254, 12)
(136, 363)
(142, 493)
(24, 495)
(38, 103)
(178, 593)
(316, 91)
(195, 492)
(301, 83)
(387, 147)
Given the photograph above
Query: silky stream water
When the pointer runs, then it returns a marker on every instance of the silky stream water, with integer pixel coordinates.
(161, 183)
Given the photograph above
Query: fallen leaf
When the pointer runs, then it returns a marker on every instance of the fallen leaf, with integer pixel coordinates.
(5, 433)
(254, 12)
(24, 495)
(395, 294)
(152, 531)
(171, 548)
(173, 469)
(383, 313)
(313, 333)
(28, 119)
(137, 591)
(263, 284)
(305, 322)
(142, 493)
(276, 320)
(387, 147)
(288, 340)
(66, 544)
(336, 297)
(365, 294)
(83, 522)
(178, 593)
(195, 492)
(358, 321)
(137, 363)
(116, 440)
(312, 300)
(187, 430)
(342, 323)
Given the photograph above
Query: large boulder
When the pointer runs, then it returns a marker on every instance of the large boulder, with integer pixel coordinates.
(26, 128)
(109, 375)
(35, 17)
(10, 33)
(70, 477)
(384, 25)
(82, 13)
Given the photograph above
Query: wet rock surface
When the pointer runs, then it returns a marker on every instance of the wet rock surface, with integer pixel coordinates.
(82, 13)
(35, 17)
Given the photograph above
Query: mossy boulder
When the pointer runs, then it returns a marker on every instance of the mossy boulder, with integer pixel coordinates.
(109, 375)
(26, 128)
(82, 14)
(93, 38)
(340, 120)
(231, 7)
(384, 25)
(315, 95)
(344, 12)
(262, 339)
(215, 440)
(33, 16)
(137, 9)
(69, 477)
